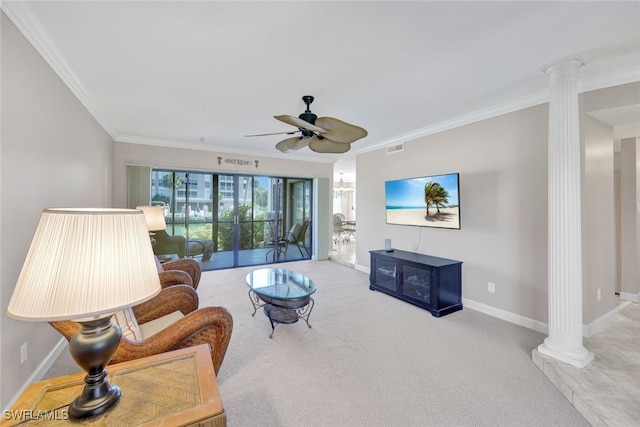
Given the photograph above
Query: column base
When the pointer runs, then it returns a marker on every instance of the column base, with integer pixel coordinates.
(577, 359)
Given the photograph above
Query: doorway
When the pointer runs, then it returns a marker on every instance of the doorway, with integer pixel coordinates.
(344, 222)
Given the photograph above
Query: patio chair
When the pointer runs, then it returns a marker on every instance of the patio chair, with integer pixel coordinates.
(168, 244)
(297, 236)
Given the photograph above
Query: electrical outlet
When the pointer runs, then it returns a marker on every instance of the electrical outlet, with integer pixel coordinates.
(599, 294)
(23, 353)
(491, 287)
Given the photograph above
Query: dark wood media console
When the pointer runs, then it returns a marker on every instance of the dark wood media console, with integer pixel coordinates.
(432, 283)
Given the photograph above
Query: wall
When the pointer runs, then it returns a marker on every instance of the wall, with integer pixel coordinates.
(598, 219)
(503, 196)
(630, 219)
(618, 247)
(53, 154)
(626, 184)
(502, 164)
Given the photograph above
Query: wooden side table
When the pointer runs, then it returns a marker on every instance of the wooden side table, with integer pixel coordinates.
(177, 388)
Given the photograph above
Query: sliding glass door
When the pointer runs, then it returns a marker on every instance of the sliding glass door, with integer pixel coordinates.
(236, 220)
(258, 202)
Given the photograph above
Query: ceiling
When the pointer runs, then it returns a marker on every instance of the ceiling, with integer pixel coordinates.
(204, 74)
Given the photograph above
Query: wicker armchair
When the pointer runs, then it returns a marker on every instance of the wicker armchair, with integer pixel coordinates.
(207, 325)
(185, 271)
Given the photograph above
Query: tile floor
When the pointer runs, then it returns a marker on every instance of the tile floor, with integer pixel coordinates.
(344, 252)
(607, 391)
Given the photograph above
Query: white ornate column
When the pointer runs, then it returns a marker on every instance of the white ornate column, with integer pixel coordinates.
(565, 340)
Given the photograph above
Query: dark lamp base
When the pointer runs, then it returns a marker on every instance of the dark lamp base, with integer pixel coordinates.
(92, 349)
(91, 406)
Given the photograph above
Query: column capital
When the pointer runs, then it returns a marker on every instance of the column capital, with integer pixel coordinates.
(565, 66)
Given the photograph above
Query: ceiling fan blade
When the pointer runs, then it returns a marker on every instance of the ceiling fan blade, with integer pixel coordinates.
(325, 146)
(339, 131)
(299, 123)
(274, 133)
(292, 144)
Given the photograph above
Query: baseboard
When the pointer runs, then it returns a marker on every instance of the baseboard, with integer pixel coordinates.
(41, 370)
(587, 330)
(506, 316)
(491, 311)
(362, 268)
(628, 296)
(603, 321)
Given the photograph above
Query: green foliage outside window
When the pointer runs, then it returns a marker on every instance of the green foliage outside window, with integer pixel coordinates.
(161, 198)
(248, 240)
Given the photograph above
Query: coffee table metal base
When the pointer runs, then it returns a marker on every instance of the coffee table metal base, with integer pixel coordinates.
(282, 311)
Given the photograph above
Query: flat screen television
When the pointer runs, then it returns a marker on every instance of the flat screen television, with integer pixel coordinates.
(428, 201)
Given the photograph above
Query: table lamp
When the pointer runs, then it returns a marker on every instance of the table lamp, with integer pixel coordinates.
(154, 216)
(85, 265)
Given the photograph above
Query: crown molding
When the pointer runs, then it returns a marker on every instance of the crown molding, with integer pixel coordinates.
(616, 78)
(188, 145)
(18, 12)
(484, 114)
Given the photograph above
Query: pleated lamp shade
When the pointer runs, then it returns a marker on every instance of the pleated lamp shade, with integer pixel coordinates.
(154, 216)
(85, 264)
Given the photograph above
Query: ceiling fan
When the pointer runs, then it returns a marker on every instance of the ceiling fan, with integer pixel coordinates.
(320, 134)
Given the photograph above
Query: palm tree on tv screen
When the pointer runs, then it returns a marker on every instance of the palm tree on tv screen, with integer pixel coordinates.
(435, 195)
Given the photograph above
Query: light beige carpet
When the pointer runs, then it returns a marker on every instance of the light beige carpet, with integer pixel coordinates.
(372, 360)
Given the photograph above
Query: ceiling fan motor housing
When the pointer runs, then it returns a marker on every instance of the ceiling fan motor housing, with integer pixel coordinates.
(308, 116)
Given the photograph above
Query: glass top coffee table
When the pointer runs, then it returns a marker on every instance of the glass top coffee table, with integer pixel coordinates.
(284, 294)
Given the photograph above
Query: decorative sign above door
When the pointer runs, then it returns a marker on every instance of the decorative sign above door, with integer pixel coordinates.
(238, 162)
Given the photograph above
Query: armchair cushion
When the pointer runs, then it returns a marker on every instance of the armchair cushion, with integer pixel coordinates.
(294, 232)
(128, 324)
(154, 326)
(158, 264)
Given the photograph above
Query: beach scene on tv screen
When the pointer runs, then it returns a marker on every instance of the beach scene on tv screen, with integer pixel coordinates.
(430, 201)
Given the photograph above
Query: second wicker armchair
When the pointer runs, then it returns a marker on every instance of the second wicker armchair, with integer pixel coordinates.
(184, 271)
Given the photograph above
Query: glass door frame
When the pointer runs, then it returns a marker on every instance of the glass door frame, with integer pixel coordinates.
(279, 193)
